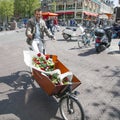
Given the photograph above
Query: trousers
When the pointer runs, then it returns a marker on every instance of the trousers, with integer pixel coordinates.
(38, 46)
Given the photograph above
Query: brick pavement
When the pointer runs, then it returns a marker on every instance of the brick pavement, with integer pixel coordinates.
(99, 90)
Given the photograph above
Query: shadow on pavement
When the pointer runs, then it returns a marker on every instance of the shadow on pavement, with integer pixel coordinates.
(88, 52)
(114, 52)
(66, 40)
(103, 103)
(61, 40)
(25, 100)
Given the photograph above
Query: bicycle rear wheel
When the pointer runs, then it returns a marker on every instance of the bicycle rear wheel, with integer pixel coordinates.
(71, 109)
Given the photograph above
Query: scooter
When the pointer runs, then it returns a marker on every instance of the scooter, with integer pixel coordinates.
(103, 38)
(72, 32)
(116, 31)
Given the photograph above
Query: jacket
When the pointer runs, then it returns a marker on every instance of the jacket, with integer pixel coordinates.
(30, 29)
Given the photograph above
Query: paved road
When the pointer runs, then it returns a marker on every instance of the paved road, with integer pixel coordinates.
(22, 99)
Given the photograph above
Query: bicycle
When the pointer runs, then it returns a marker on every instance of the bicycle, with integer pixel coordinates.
(84, 39)
(69, 105)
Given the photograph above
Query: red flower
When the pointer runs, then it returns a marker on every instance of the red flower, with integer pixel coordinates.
(47, 57)
(39, 54)
(37, 62)
(42, 68)
(65, 79)
(45, 62)
(34, 59)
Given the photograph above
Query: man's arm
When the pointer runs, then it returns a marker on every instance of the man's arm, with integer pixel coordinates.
(46, 30)
(29, 30)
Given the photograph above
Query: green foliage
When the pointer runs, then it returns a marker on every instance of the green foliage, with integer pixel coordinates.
(25, 8)
(17, 8)
(53, 9)
(6, 9)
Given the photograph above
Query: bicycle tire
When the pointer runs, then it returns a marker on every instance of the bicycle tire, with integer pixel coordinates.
(80, 42)
(76, 113)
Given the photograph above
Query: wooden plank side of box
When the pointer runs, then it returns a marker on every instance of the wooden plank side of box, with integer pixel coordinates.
(76, 82)
(44, 82)
(59, 65)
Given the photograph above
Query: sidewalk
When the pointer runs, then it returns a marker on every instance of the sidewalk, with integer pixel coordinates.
(11, 31)
(114, 47)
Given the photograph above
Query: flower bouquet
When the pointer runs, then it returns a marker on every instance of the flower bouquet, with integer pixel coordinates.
(43, 62)
(46, 66)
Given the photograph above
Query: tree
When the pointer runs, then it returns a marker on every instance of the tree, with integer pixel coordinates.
(6, 10)
(25, 8)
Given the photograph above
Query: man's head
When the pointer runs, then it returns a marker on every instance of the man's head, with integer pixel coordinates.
(38, 14)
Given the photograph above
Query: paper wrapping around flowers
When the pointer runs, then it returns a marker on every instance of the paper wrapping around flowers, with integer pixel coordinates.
(28, 55)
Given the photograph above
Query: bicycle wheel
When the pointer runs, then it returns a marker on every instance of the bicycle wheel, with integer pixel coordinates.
(71, 109)
(81, 42)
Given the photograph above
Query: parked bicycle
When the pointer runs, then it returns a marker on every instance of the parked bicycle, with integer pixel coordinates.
(84, 39)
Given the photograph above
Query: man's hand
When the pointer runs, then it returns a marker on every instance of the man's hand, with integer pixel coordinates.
(30, 36)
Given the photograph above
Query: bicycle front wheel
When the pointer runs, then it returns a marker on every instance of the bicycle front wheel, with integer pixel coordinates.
(71, 109)
(81, 41)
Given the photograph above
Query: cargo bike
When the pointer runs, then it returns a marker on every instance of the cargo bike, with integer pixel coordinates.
(69, 105)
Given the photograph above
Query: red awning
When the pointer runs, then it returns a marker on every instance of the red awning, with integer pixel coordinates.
(90, 14)
(59, 13)
(93, 14)
(87, 13)
(49, 14)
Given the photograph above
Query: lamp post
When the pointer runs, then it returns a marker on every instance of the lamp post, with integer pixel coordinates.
(82, 11)
(75, 9)
(64, 2)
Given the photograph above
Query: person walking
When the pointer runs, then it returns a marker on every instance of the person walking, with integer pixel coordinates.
(49, 23)
(55, 22)
(35, 29)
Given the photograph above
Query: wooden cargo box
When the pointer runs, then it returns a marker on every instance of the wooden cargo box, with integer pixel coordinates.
(46, 84)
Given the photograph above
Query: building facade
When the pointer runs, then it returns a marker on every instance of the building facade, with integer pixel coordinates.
(80, 10)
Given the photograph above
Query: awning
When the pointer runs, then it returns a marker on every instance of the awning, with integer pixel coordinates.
(49, 14)
(60, 13)
(103, 16)
(106, 14)
(90, 14)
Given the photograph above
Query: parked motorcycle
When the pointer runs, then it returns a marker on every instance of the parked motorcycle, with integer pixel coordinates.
(72, 32)
(103, 38)
(116, 31)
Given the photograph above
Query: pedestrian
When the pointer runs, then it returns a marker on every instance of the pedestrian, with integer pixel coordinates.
(55, 22)
(49, 23)
(35, 30)
(15, 24)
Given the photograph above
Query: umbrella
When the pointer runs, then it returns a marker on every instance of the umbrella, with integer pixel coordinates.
(49, 14)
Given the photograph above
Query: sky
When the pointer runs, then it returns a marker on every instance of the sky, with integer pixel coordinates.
(115, 2)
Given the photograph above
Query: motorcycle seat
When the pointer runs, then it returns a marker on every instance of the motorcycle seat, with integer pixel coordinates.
(107, 28)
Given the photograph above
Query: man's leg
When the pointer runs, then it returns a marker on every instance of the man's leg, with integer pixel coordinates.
(41, 47)
(35, 46)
